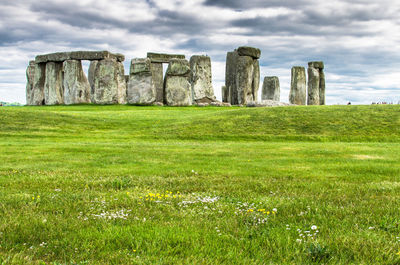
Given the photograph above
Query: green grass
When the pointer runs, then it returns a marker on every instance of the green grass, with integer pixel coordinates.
(79, 184)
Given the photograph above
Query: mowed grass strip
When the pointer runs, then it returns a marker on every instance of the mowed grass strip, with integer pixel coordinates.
(160, 185)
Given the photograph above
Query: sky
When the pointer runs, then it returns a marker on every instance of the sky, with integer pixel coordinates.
(358, 40)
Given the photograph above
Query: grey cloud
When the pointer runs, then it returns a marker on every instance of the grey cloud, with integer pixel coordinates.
(240, 4)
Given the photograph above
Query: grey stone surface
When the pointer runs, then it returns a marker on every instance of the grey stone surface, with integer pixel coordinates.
(177, 91)
(230, 77)
(109, 82)
(177, 88)
(141, 88)
(313, 86)
(30, 75)
(206, 100)
(271, 88)
(76, 85)
(298, 89)
(37, 96)
(163, 57)
(242, 75)
(157, 72)
(178, 67)
(200, 77)
(318, 65)
(314, 81)
(249, 51)
(140, 65)
(256, 79)
(268, 103)
(321, 87)
(220, 104)
(121, 83)
(53, 85)
(91, 72)
(224, 93)
(244, 79)
(79, 55)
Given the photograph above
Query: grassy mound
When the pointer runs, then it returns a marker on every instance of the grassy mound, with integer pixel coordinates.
(160, 185)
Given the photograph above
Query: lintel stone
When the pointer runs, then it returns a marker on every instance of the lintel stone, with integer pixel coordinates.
(163, 57)
(79, 55)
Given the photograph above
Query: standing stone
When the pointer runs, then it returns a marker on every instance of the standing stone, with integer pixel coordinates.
(224, 93)
(76, 85)
(109, 82)
(157, 73)
(177, 88)
(141, 88)
(92, 69)
(30, 75)
(200, 78)
(230, 77)
(317, 81)
(313, 86)
(242, 75)
(256, 79)
(298, 86)
(53, 85)
(244, 79)
(271, 88)
(321, 87)
(37, 96)
(121, 83)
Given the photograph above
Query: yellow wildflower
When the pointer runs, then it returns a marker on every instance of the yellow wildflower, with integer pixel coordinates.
(268, 212)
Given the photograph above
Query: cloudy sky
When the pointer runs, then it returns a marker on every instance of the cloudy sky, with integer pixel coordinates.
(359, 40)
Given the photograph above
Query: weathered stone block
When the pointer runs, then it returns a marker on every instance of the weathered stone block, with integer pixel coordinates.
(230, 77)
(53, 85)
(178, 67)
(140, 65)
(79, 55)
(157, 73)
(271, 88)
(313, 86)
(224, 93)
(30, 75)
(321, 87)
(141, 89)
(91, 73)
(298, 87)
(200, 77)
(256, 79)
(37, 96)
(109, 82)
(177, 91)
(244, 79)
(317, 65)
(249, 51)
(177, 88)
(162, 57)
(76, 85)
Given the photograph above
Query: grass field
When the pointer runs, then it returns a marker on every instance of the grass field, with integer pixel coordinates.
(162, 185)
